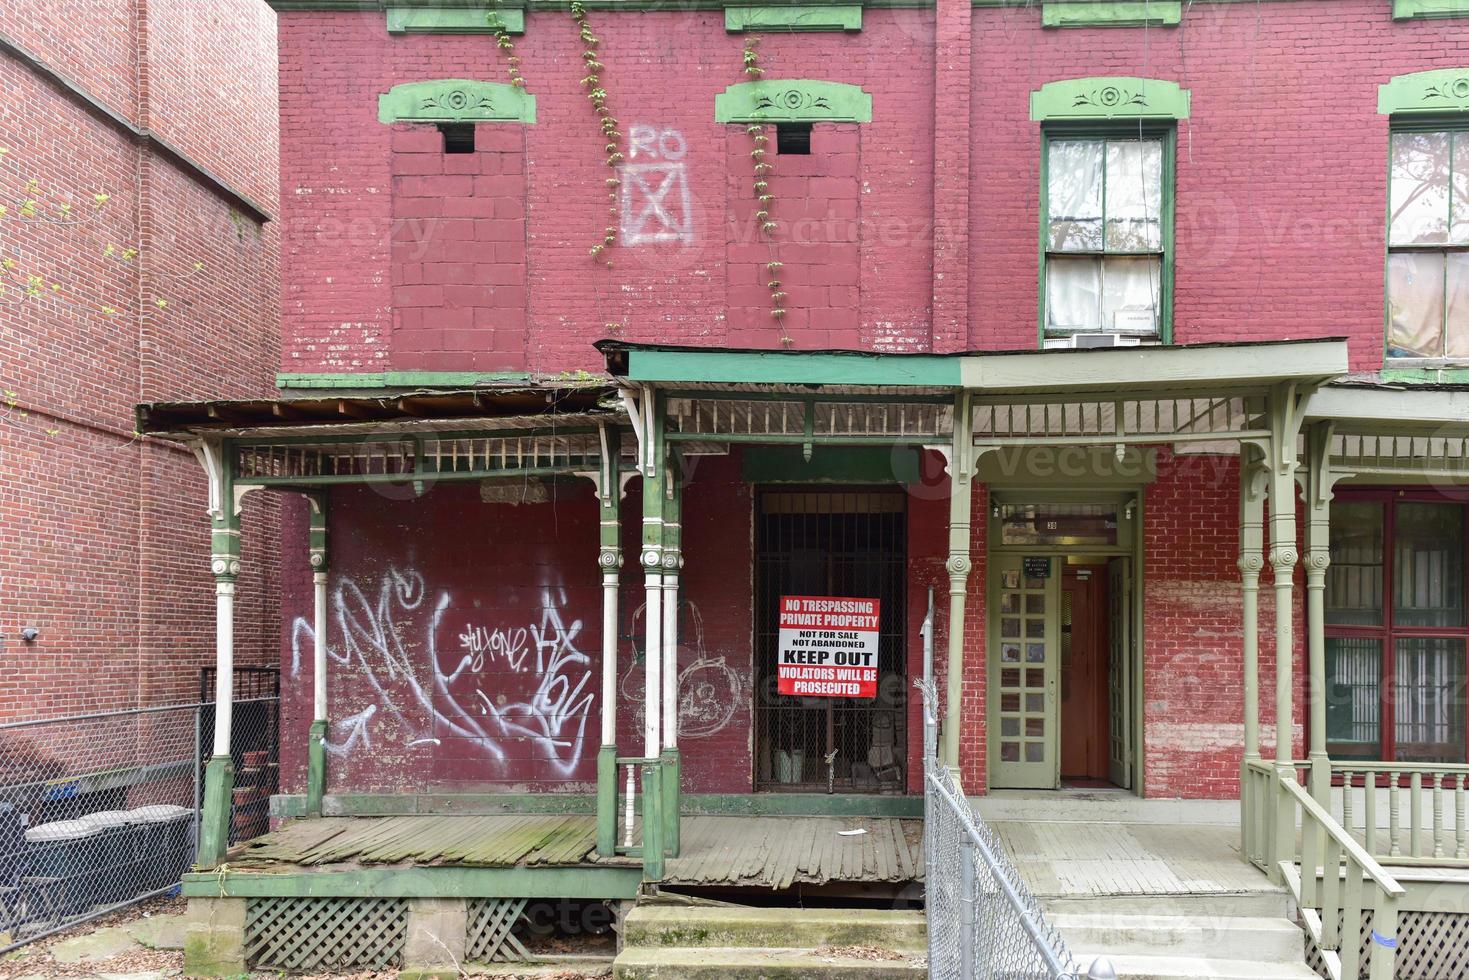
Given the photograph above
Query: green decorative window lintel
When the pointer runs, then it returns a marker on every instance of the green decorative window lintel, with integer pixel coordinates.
(453, 20)
(792, 100)
(1111, 13)
(793, 17)
(456, 100)
(1425, 92)
(1425, 9)
(1109, 98)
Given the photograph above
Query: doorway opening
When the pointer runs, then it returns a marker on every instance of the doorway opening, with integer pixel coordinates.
(1062, 655)
(846, 543)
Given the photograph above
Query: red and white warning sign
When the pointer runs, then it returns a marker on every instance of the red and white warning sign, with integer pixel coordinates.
(828, 647)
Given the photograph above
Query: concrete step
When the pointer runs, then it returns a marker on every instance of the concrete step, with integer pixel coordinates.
(1223, 936)
(663, 926)
(1135, 967)
(715, 963)
(1270, 904)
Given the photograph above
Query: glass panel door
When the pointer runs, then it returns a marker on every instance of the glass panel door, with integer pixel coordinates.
(1024, 652)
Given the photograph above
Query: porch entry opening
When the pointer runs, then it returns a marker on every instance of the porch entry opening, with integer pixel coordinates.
(1061, 651)
(827, 542)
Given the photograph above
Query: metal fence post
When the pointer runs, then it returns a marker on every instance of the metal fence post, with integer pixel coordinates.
(967, 911)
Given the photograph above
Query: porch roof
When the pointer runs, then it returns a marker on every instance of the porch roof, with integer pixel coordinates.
(421, 409)
(1188, 367)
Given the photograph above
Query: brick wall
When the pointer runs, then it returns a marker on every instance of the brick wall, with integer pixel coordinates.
(103, 539)
(1266, 174)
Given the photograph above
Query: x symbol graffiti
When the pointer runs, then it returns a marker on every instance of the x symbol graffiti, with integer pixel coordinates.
(655, 204)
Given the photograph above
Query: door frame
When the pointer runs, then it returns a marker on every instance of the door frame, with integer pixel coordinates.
(1129, 544)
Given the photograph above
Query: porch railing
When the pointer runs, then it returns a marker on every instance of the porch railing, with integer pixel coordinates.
(1369, 799)
(640, 831)
(1332, 877)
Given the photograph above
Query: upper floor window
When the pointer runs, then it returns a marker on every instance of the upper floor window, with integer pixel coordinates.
(1106, 241)
(1428, 244)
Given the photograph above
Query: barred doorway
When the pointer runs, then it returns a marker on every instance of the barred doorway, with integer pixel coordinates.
(850, 543)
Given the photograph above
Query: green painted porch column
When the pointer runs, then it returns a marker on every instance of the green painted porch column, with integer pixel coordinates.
(958, 565)
(1252, 477)
(672, 562)
(609, 560)
(316, 738)
(1320, 479)
(1286, 403)
(224, 563)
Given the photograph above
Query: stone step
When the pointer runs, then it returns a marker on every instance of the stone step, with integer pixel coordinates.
(1135, 967)
(1224, 936)
(663, 926)
(715, 963)
(1271, 904)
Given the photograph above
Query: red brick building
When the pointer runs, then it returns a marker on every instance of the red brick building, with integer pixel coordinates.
(1050, 325)
(139, 246)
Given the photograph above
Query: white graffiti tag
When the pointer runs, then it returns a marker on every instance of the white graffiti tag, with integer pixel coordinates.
(709, 689)
(655, 192)
(411, 686)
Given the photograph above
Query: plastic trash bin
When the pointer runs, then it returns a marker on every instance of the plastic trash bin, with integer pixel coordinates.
(165, 843)
(64, 859)
(118, 865)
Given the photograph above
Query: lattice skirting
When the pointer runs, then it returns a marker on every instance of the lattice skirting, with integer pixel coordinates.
(489, 939)
(1431, 946)
(312, 934)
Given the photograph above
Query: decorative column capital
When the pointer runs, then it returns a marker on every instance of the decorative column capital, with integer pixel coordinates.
(609, 558)
(1251, 564)
(651, 559)
(1283, 558)
(1317, 562)
(226, 568)
(958, 566)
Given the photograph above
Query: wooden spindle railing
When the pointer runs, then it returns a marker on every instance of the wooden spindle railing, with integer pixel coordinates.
(1426, 808)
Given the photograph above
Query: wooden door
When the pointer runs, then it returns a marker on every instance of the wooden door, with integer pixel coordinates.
(1119, 673)
(1024, 654)
(1084, 674)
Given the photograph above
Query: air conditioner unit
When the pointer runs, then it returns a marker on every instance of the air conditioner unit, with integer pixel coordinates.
(1083, 341)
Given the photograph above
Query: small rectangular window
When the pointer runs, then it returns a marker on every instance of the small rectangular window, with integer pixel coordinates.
(793, 139)
(1104, 238)
(1428, 245)
(458, 137)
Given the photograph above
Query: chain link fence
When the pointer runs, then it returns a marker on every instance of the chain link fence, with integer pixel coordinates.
(99, 811)
(983, 922)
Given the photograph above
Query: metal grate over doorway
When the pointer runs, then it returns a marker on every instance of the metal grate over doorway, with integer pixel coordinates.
(837, 543)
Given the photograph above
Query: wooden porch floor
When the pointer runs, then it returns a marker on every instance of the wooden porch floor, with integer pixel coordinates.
(765, 852)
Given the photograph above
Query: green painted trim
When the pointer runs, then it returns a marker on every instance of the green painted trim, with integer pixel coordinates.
(214, 824)
(559, 6)
(793, 17)
(1447, 375)
(655, 848)
(426, 475)
(399, 379)
(834, 464)
(454, 20)
(792, 100)
(315, 767)
(456, 100)
(421, 882)
(607, 800)
(672, 831)
(1443, 90)
(1109, 97)
(1111, 13)
(788, 367)
(1169, 134)
(1429, 9)
(320, 558)
(693, 804)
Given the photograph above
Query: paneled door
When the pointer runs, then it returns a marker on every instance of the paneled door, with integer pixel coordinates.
(1023, 666)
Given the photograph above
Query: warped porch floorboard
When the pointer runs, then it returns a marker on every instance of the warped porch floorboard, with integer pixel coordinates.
(763, 852)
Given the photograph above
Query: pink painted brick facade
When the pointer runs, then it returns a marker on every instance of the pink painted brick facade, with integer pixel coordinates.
(917, 231)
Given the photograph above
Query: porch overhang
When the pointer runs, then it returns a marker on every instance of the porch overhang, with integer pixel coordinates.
(1369, 431)
(1215, 367)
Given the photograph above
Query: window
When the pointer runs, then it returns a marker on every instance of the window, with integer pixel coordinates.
(458, 137)
(1428, 244)
(793, 139)
(1396, 629)
(1106, 238)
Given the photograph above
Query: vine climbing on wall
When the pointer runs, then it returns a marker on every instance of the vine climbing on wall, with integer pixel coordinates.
(765, 222)
(596, 93)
